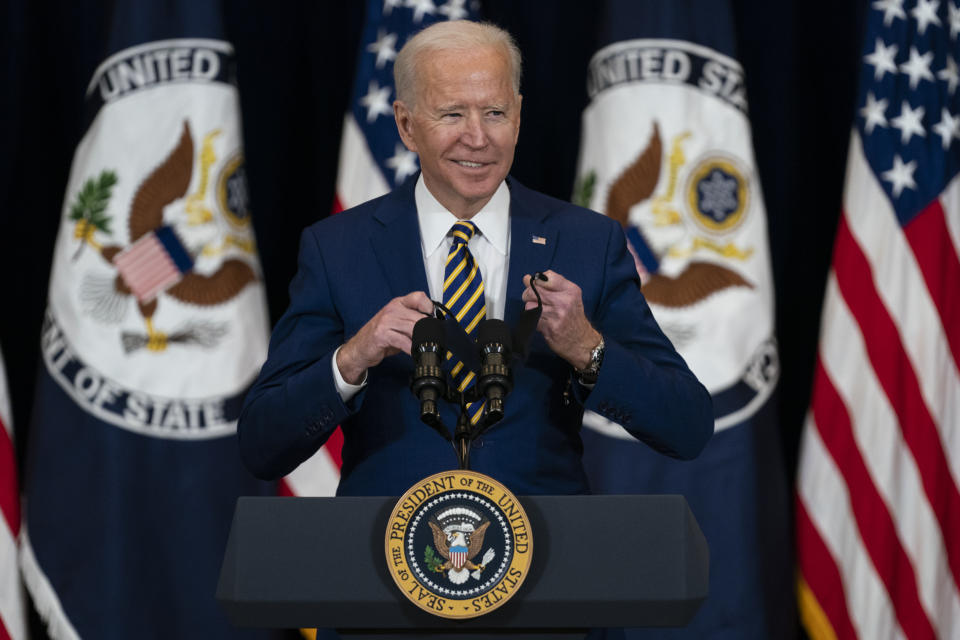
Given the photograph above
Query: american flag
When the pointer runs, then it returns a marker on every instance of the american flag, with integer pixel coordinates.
(153, 264)
(877, 505)
(373, 160)
(12, 614)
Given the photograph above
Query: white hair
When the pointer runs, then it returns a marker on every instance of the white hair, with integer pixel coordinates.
(456, 35)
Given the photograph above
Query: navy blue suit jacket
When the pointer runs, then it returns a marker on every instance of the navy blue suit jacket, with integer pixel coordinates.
(353, 263)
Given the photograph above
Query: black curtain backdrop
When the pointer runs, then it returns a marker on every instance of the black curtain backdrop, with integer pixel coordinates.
(295, 67)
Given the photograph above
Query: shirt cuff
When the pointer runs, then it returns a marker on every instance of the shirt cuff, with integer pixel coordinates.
(344, 388)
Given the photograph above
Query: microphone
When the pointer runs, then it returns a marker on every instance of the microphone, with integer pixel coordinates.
(494, 381)
(428, 382)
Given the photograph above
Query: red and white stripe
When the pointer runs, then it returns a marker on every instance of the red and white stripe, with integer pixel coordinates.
(358, 177)
(147, 268)
(12, 613)
(358, 180)
(318, 475)
(878, 506)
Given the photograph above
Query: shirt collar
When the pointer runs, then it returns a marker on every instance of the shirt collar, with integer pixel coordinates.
(435, 220)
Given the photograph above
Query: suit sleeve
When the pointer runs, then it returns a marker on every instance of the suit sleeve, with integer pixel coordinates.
(644, 384)
(293, 406)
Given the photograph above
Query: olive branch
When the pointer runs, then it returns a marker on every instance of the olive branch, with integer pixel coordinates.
(90, 206)
(430, 557)
(583, 189)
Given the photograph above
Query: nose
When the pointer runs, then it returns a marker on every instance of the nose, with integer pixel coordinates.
(474, 134)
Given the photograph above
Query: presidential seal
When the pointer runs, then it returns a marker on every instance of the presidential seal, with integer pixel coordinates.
(458, 544)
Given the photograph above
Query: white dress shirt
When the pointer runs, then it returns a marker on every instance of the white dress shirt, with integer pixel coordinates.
(490, 247)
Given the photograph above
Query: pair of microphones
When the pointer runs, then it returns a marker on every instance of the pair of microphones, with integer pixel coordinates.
(494, 378)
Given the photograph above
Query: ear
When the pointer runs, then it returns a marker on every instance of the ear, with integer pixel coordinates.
(404, 118)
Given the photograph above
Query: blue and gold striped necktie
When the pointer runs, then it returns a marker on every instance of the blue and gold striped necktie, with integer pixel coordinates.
(463, 296)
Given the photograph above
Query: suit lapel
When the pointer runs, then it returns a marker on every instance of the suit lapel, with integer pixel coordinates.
(396, 241)
(532, 244)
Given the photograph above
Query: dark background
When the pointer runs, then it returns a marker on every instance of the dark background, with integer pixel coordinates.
(295, 67)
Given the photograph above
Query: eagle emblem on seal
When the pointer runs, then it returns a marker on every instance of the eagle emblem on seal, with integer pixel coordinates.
(458, 541)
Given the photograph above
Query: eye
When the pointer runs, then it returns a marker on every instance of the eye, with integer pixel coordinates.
(496, 113)
(453, 115)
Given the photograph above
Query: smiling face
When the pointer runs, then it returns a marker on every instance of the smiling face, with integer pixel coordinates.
(464, 125)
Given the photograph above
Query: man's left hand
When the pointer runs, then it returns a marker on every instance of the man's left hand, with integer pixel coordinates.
(563, 322)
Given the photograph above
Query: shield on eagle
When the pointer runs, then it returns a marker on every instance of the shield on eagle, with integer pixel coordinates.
(458, 556)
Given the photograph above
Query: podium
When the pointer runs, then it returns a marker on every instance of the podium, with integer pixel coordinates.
(598, 561)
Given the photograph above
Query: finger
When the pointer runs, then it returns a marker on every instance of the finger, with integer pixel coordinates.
(409, 303)
(399, 340)
(406, 324)
(527, 278)
(549, 297)
(554, 282)
(417, 300)
(399, 311)
(543, 281)
(406, 345)
(408, 315)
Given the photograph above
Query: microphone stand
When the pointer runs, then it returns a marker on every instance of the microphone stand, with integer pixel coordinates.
(465, 433)
(462, 437)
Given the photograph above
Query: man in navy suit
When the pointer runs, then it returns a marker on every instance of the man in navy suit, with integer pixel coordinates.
(340, 355)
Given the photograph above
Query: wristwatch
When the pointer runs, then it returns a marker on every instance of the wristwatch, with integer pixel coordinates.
(589, 374)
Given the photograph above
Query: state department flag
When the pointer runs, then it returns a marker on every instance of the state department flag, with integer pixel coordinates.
(133, 468)
(372, 160)
(878, 486)
(667, 152)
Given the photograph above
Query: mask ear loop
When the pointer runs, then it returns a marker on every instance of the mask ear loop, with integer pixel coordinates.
(539, 275)
(439, 310)
(528, 320)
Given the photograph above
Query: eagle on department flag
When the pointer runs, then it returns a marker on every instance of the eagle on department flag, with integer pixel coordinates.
(157, 263)
(699, 279)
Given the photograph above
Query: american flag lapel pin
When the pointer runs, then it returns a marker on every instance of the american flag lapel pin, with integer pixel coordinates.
(539, 240)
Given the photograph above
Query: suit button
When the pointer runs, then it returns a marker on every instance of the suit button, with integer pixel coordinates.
(478, 443)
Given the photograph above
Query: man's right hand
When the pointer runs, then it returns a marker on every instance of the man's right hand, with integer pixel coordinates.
(387, 333)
